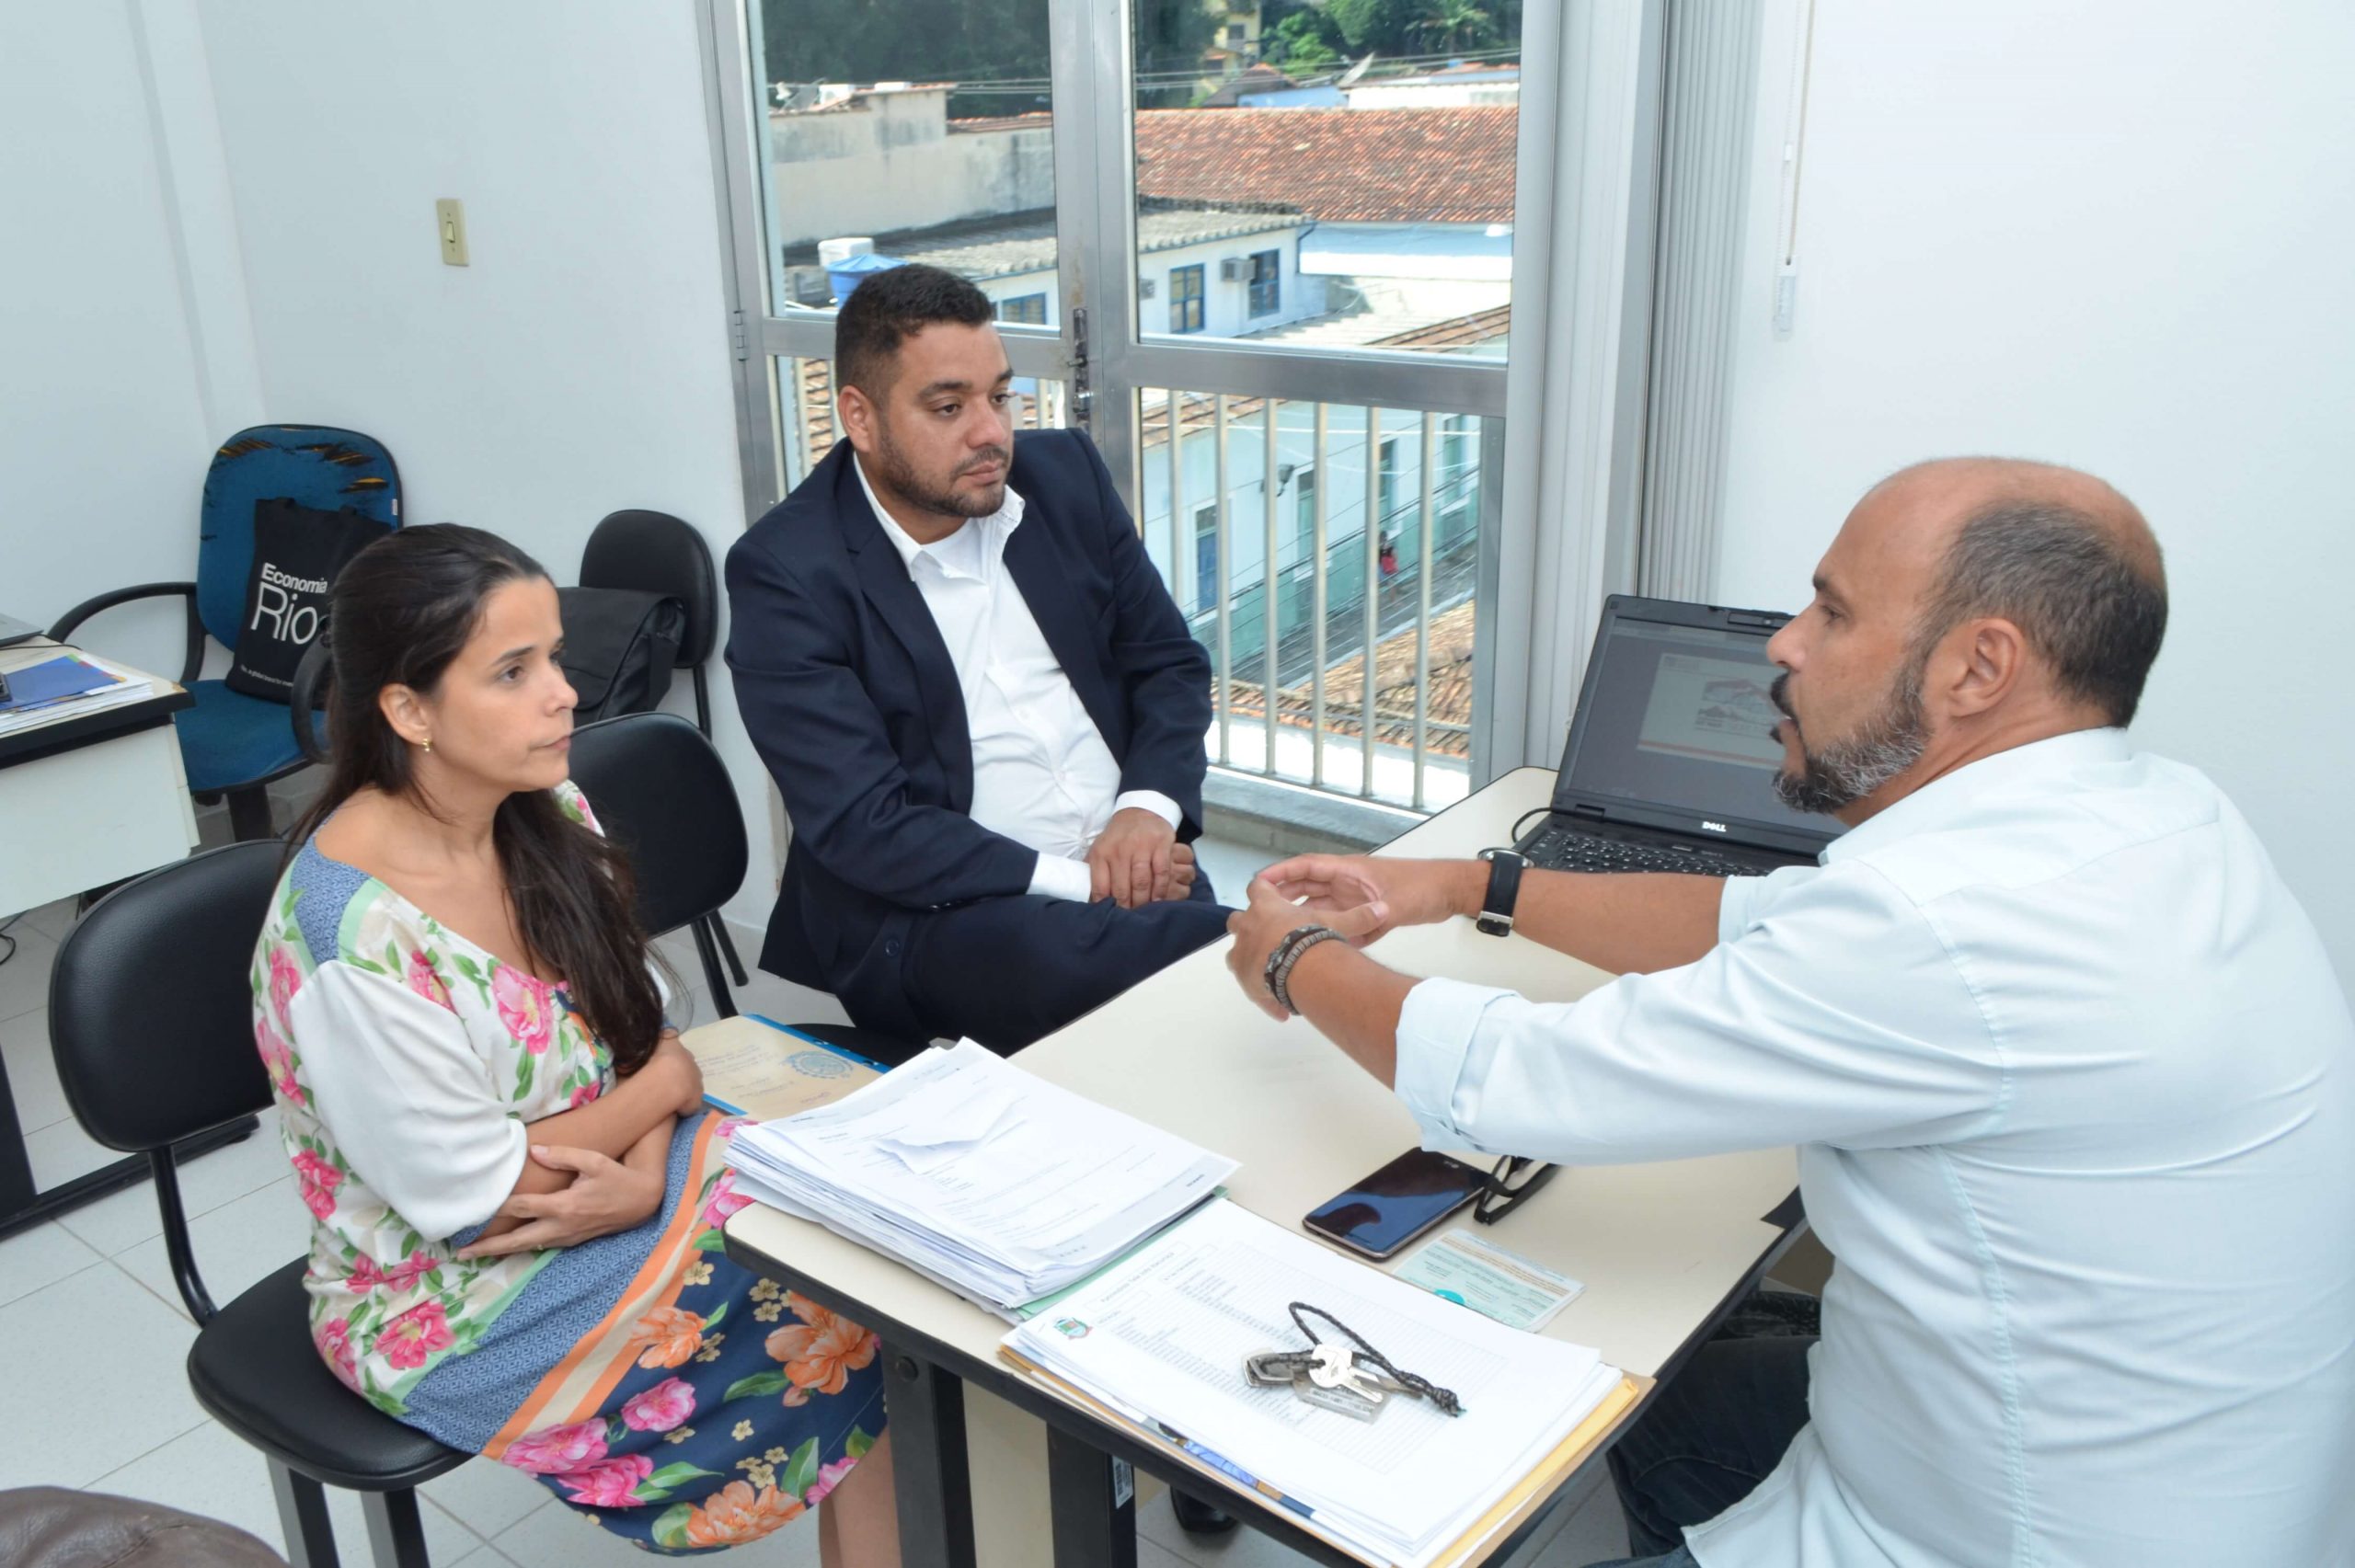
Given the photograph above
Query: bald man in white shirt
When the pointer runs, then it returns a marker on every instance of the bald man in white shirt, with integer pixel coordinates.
(2071, 1076)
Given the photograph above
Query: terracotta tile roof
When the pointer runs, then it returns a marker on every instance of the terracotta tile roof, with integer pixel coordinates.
(855, 100)
(1198, 411)
(1033, 120)
(1393, 165)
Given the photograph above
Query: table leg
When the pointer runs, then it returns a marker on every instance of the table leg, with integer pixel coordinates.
(1093, 1496)
(22, 1207)
(936, 1490)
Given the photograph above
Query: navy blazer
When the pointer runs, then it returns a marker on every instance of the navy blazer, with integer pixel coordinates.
(849, 694)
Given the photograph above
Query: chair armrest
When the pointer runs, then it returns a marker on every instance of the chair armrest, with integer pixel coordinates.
(192, 664)
(311, 680)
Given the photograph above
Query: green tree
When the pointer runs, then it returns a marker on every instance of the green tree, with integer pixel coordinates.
(976, 42)
(1446, 26)
(1173, 40)
(1305, 40)
(1379, 24)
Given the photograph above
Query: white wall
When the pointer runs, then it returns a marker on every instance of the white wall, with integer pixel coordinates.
(236, 204)
(890, 163)
(2113, 236)
(581, 363)
(116, 397)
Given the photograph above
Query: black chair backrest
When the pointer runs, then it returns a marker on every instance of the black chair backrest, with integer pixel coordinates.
(653, 552)
(150, 1012)
(659, 790)
(310, 691)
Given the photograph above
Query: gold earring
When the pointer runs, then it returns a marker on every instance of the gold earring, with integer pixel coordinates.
(428, 744)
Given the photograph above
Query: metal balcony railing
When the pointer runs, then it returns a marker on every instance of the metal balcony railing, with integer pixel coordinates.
(1348, 667)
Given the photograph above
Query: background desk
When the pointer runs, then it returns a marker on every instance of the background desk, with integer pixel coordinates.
(84, 801)
(90, 799)
(1663, 1249)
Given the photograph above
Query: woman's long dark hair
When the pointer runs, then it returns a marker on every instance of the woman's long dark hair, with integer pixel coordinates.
(399, 613)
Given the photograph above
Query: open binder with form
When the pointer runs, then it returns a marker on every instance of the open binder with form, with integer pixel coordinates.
(1160, 1340)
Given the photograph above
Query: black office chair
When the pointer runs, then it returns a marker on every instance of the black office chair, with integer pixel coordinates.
(659, 790)
(151, 1020)
(653, 552)
(308, 695)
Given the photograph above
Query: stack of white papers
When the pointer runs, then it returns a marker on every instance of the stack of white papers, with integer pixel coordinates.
(1163, 1337)
(998, 1185)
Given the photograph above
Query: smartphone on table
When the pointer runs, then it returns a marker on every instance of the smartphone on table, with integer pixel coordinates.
(1383, 1212)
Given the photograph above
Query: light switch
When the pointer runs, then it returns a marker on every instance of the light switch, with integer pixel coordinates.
(450, 218)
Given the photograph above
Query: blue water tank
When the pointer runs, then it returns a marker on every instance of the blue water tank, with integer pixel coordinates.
(856, 269)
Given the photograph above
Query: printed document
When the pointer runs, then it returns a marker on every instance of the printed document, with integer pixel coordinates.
(999, 1184)
(1163, 1337)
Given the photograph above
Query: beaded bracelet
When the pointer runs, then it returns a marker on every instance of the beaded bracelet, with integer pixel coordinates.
(1286, 959)
(1283, 950)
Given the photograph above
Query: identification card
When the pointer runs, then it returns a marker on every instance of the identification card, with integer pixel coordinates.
(1473, 1271)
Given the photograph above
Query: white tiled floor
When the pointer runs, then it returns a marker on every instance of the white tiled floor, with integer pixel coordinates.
(99, 1397)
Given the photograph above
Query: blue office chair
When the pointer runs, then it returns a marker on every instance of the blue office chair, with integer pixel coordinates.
(232, 744)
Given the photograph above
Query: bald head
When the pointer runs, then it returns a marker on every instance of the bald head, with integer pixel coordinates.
(2056, 552)
(1946, 493)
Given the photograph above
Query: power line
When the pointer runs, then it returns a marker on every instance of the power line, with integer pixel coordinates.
(986, 83)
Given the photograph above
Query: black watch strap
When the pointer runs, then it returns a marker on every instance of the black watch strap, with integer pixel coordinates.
(1504, 891)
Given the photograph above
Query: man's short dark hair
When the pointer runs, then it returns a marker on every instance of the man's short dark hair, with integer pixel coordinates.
(890, 307)
(2081, 595)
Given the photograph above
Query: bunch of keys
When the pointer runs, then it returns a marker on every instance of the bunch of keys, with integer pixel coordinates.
(1328, 1377)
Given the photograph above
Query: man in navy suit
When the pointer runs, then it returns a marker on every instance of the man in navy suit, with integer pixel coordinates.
(981, 704)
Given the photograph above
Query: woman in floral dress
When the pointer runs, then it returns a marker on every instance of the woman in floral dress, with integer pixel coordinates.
(515, 1191)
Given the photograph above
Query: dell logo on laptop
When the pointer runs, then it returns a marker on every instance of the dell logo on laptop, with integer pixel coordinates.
(1709, 827)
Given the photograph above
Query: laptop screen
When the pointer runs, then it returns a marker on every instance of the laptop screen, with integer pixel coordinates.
(1677, 717)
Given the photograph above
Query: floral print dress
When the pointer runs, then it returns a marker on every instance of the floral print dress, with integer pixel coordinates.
(674, 1398)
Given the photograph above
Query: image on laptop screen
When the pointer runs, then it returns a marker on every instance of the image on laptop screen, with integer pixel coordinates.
(1680, 717)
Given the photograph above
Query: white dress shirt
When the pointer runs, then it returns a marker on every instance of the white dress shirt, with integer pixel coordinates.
(2074, 1087)
(1042, 775)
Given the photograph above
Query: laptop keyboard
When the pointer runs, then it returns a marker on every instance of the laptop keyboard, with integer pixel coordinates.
(1558, 847)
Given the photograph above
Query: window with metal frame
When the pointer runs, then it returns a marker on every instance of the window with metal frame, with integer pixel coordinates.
(1267, 281)
(1347, 659)
(1186, 299)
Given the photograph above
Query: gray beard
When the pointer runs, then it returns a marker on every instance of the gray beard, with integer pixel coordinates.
(1846, 771)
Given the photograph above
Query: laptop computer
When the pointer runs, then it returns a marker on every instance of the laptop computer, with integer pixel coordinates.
(1672, 757)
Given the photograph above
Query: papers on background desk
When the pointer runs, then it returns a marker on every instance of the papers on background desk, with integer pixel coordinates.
(998, 1185)
(113, 689)
(1162, 1339)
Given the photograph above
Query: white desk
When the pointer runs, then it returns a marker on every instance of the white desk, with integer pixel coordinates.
(85, 800)
(1663, 1248)
(90, 799)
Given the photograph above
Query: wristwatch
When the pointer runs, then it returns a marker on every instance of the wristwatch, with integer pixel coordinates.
(1504, 891)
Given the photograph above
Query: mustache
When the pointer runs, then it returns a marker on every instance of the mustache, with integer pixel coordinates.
(992, 457)
(1779, 693)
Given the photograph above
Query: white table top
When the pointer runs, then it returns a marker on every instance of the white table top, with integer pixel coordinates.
(1659, 1246)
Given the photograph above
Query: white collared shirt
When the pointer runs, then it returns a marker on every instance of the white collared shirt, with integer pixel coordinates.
(1042, 775)
(2074, 1085)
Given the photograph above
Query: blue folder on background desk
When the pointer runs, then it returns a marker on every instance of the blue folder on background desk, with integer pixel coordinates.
(52, 680)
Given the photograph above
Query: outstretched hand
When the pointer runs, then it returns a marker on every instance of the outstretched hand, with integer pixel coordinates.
(1261, 928)
(1409, 892)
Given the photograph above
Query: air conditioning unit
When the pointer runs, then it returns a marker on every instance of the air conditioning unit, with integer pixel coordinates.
(1144, 288)
(1231, 270)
